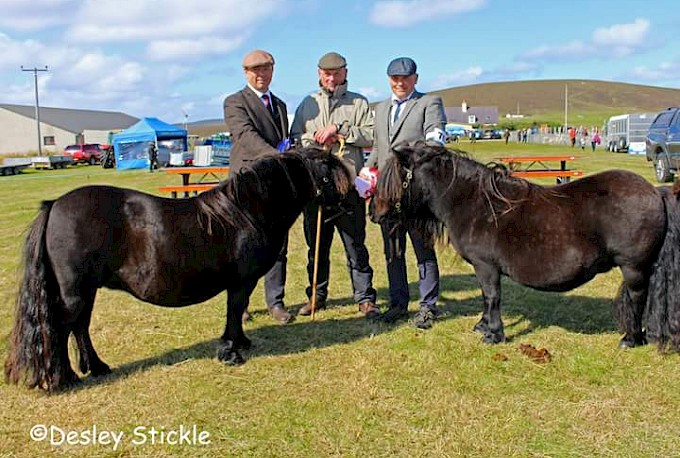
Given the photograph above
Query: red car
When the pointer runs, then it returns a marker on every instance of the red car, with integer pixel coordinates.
(87, 153)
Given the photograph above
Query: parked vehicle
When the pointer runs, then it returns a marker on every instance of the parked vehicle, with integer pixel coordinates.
(663, 144)
(14, 165)
(86, 153)
(627, 132)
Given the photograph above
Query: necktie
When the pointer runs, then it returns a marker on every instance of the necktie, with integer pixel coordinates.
(267, 102)
(397, 109)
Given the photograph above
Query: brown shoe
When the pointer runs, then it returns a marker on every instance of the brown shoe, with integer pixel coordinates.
(281, 315)
(369, 310)
(307, 309)
(246, 316)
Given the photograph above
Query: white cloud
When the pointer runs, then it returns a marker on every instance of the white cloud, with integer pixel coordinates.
(615, 41)
(172, 28)
(191, 49)
(629, 35)
(401, 13)
(35, 14)
(463, 77)
(665, 71)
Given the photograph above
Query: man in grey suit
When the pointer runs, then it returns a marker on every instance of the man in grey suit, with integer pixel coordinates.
(258, 122)
(406, 117)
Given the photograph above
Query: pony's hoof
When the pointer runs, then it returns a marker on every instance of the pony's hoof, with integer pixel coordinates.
(243, 343)
(631, 342)
(481, 327)
(229, 356)
(491, 338)
(100, 370)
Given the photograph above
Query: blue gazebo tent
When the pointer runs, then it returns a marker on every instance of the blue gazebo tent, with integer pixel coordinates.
(131, 146)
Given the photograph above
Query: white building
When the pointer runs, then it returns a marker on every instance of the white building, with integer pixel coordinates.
(59, 127)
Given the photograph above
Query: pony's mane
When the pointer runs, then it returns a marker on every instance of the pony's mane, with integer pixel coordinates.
(227, 204)
(493, 180)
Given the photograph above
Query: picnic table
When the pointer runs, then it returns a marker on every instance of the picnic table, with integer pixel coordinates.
(194, 179)
(542, 167)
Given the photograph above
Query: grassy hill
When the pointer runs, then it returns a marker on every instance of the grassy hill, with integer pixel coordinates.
(590, 102)
(542, 101)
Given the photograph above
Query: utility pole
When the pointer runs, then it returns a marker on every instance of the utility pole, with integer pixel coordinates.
(35, 71)
(566, 105)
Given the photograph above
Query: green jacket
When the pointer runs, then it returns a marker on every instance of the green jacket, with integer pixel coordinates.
(347, 109)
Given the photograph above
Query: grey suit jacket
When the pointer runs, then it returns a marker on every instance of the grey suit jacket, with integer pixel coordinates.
(254, 129)
(420, 115)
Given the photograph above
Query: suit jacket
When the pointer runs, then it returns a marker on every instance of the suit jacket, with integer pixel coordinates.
(254, 129)
(420, 115)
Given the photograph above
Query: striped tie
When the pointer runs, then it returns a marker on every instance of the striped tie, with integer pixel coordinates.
(267, 102)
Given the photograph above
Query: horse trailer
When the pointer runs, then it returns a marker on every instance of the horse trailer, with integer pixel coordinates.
(628, 132)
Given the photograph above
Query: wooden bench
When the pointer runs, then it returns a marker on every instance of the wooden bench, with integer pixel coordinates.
(188, 189)
(562, 176)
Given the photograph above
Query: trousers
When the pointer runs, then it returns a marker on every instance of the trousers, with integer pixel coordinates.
(428, 269)
(275, 279)
(349, 218)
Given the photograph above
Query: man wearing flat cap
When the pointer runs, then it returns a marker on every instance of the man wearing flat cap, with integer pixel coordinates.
(258, 122)
(406, 117)
(340, 121)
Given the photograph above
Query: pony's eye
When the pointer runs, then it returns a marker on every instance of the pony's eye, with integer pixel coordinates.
(325, 179)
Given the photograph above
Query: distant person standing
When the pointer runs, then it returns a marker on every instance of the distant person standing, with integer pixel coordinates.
(153, 156)
(572, 136)
(595, 140)
(258, 122)
(506, 135)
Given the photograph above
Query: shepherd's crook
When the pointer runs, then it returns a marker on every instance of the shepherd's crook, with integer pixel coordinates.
(316, 260)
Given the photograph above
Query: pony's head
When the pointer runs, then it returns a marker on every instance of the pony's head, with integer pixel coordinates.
(331, 176)
(400, 195)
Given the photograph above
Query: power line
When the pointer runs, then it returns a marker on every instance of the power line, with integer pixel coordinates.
(35, 71)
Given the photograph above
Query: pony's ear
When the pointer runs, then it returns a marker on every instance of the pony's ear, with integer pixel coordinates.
(403, 153)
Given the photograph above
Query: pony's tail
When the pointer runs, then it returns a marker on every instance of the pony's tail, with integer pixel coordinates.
(663, 298)
(34, 355)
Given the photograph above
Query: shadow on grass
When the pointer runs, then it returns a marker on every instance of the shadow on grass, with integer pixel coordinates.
(580, 314)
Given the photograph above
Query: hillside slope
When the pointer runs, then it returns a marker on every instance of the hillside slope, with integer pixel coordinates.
(542, 100)
(546, 97)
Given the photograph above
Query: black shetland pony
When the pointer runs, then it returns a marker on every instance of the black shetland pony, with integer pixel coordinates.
(548, 238)
(169, 252)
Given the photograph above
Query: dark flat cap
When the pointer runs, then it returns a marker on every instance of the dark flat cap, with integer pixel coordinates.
(402, 66)
(332, 61)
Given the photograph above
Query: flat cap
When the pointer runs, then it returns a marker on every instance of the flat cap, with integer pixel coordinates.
(402, 66)
(332, 61)
(257, 58)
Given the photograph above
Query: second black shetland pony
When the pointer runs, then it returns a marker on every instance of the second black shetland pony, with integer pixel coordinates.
(548, 238)
(169, 252)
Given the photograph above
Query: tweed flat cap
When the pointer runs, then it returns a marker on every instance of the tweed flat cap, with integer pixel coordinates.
(257, 58)
(332, 61)
(402, 66)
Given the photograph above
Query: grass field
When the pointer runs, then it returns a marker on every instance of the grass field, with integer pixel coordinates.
(342, 386)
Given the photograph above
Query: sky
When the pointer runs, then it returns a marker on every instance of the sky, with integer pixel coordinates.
(178, 59)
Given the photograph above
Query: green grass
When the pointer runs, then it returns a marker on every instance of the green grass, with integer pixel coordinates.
(342, 386)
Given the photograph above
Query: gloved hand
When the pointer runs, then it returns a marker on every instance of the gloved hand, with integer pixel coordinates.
(436, 136)
(366, 182)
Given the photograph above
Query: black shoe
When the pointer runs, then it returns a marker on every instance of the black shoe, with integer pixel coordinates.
(281, 315)
(307, 309)
(395, 314)
(425, 318)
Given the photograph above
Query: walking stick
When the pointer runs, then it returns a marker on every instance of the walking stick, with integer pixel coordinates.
(341, 152)
(316, 260)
